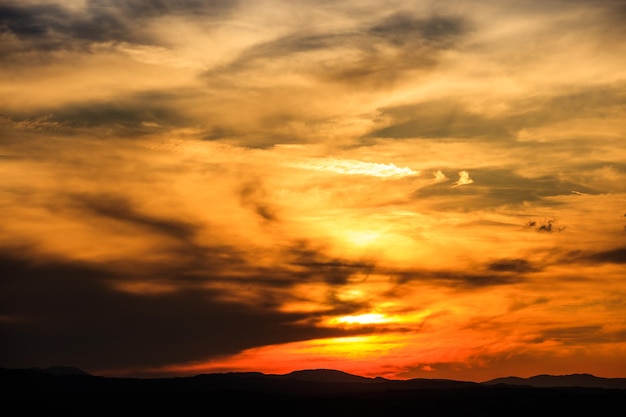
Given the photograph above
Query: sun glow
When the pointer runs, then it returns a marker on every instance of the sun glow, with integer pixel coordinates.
(362, 237)
(371, 318)
(352, 354)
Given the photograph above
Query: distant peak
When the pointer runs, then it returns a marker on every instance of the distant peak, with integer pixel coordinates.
(319, 370)
(326, 375)
(571, 380)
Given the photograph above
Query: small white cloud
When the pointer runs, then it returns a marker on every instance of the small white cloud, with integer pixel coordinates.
(440, 176)
(464, 179)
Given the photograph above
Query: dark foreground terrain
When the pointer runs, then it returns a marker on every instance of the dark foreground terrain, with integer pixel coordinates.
(303, 393)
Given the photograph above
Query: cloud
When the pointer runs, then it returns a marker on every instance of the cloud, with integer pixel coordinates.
(457, 117)
(462, 280)
(440, 176)
(354, 167)
(547, 226)
(52, 27)
(580, 335)
(493, 187)
(66, 313)
(368, 56)
(321, 267)
(603, 176)
(139, 8)
(402, 28)
(512, 265)
(614, 256)
(464, 179)
(55, 26)
(444, 118)
(253, 195)
(127, 116)
(120, 208)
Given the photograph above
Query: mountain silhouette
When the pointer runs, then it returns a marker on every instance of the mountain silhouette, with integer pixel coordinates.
(62, 370)
(322, 379)
(573, 380)
(330, 375)
(69, 391)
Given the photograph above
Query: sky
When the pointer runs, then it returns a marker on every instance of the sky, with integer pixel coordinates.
(406, 189)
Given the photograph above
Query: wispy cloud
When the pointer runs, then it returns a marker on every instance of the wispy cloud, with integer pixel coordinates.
(352, 167)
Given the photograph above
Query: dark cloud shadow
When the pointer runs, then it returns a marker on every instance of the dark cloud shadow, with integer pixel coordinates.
(58, 311)
(185, 301)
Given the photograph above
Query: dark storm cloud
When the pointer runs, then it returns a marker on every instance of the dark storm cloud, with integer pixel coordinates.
(416, 41)
(33, 20)
(51, 27)
(187, 301)
(449, 118)
(299, 263)
(66, 312)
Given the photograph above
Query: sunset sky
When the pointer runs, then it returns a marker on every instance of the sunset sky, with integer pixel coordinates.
(399, 188)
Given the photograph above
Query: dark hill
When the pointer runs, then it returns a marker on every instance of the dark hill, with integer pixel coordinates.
(574, 380)
(329, 375)
(62, 370)
(301, 393)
